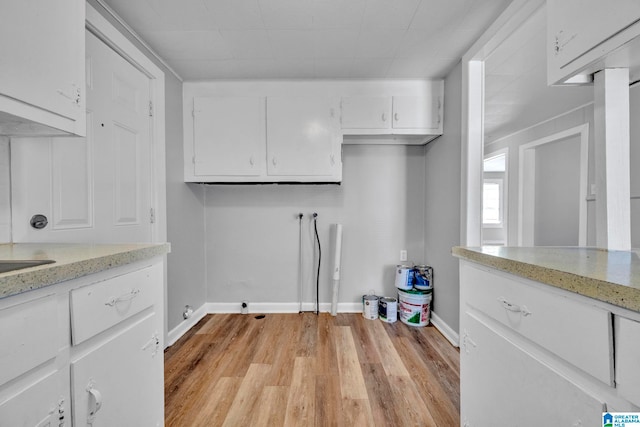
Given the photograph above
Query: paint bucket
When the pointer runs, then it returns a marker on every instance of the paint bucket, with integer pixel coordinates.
(404, 277)
(388, 309)
(423, 277)
(370, 307)
(414, 307)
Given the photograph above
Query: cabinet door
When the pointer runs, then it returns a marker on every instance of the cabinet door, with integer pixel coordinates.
(42, 56)
(43, 404)
(303, 137)
(366, 112)
(416, 112)
(576, 26)
(229, 136)
(120, 383)
(502, 384)
(628, 359)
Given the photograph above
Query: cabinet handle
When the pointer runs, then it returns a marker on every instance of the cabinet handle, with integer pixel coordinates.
(274, 161)
(467, 342)
(125, 297)
(395, 117)
(251, 160)
(95, 402)
(332, 159)
(384, 117)
(513, 307)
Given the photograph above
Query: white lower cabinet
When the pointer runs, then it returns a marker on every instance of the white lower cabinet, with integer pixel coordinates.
(110, 374)
(117, 383)
(504, 385)
(532, 354)
(43, 404)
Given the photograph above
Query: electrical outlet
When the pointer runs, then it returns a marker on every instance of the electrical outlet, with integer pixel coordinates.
(244, 307)
(403, 255)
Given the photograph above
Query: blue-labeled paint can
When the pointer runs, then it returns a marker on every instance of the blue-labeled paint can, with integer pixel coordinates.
(423, 275)
(404, 277)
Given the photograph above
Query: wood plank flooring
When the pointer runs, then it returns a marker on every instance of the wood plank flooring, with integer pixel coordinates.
(308, 370)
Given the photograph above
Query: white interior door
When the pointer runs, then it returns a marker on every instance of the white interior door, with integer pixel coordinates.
(98, 188)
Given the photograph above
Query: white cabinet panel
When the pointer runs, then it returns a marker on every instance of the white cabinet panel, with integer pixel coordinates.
(628, 359)
(43, 404)
(366, 112)
(229, 136)
(416, 112)
(523, 390)
(29, 336)
(99, 306)
(42, 75)
(303, 137)
(120, 383)
(582, 334)
(580, 32)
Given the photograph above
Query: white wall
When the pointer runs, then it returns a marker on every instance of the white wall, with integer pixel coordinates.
(442, 203)
(5, 191)
(253, 234)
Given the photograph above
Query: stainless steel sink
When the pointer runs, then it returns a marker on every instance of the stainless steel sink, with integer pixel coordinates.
(11, 265)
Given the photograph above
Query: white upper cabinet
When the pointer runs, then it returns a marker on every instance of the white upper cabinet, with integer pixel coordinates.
(366, 112)
(584, 36)
(401, 114)
(42, 67)
(229, 136)
(303, 138)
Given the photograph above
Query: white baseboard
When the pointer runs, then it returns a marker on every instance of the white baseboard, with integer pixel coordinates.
(176, 333)
(286, 307)
(445, 330)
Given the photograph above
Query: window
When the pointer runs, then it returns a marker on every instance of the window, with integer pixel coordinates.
(492, 202)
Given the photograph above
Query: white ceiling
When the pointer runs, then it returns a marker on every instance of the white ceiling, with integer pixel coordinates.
(291, 39)
(516, 91)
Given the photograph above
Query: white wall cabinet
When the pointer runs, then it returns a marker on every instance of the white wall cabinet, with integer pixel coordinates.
(543, 352)
(258, 139)
(393, 115)
(87, 351)
(42, 72)
(582, 34)
(229, 136)
(303, 138)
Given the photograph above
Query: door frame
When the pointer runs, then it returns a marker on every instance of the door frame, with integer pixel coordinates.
(526, 183)
(105, 31)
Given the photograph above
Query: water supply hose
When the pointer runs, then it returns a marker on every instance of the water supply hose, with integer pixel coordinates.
(315, 226)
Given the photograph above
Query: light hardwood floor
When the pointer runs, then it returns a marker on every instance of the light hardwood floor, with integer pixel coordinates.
(308, 370)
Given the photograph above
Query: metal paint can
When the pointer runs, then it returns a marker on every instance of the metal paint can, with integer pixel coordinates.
(370, 307)
(388, 309)
(423, 277)
(404, 277)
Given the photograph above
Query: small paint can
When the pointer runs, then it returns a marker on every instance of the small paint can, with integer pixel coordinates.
(388, 309)
(370, 306)
(404, 277)
(423, 277)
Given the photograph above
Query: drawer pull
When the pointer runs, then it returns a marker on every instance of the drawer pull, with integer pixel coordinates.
(126, 297)
(514, 308)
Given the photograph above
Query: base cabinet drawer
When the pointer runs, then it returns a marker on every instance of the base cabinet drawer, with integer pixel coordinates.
(120, 383)
(29, 336)
(578, 333)
(517, 389)
(99, 306)
(628, 359)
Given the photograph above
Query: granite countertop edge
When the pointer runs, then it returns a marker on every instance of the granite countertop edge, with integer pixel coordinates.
(619, 294)
(20, 281)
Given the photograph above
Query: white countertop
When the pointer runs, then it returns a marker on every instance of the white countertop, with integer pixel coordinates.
(71, 261)
(609, 276)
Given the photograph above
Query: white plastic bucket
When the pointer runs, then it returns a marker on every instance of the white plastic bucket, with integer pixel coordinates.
(414, 307)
